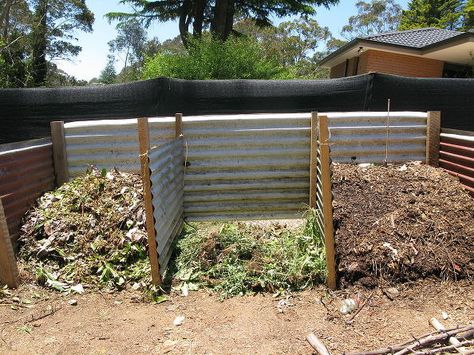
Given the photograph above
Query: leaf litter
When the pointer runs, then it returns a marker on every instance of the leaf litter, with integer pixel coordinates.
(88, 233)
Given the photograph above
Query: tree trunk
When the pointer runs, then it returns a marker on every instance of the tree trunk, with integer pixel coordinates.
(223, 19)
(5, 19)
(198, 14)
(40, 33)
(184, 22)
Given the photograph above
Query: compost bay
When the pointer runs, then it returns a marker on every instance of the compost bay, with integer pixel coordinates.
(400, 223)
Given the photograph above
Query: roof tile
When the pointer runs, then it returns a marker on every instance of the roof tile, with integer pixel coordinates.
(418, 38)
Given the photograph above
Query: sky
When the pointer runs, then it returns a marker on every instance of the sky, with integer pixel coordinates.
(92, 59)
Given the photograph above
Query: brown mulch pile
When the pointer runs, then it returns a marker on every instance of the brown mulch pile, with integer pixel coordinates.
(401, 223)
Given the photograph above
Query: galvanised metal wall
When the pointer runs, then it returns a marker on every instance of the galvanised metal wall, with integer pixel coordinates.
(361, 137)
(166, 165)
(249, 166)
(456, 155)
(246, 166)
(26, 172)
(111, 143)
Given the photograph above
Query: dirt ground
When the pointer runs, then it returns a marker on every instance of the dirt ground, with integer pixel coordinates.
(118, 323)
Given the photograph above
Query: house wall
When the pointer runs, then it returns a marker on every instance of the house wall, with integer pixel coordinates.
(393, 63)
(338, 71)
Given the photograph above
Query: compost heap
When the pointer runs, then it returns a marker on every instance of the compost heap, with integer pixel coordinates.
(89, 232)
(400, 223)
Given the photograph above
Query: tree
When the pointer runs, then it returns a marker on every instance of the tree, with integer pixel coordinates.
(446, 14)
(218, 15)
(294, 44)
(108, 74)
(210, 58)
(15, 17)
(55, 22)
(372, 17)
(130, 41)
(468, 16)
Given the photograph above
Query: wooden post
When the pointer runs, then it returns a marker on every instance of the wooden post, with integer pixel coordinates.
(327, 200)
(178, 125)
(313, 178)
(8, 267)
(59, 152)
(144, 139)
(433, 131)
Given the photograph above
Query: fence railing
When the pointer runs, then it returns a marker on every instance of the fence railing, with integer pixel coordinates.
(456, 155)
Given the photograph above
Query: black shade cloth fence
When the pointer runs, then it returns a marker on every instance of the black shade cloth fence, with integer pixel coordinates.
(26, 113)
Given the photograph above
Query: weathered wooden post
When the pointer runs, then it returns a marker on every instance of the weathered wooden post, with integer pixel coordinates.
(144, 140)
(8, 267)
(433, 131)
(61, 171)
(326, 185)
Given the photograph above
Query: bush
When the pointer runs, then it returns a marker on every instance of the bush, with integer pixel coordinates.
(209, 58)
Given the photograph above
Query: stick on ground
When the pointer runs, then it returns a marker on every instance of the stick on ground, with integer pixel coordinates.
(317, 344)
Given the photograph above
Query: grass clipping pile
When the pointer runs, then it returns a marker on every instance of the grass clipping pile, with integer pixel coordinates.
(90, 232)
(401, 223)
(247, 257)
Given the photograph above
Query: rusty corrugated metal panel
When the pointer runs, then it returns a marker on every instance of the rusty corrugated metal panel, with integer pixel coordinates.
(456, 155)
(26, 171)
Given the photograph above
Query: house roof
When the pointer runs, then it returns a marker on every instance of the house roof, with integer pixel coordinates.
(418, 38)
(416, 42)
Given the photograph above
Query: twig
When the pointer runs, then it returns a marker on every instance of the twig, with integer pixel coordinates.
(349, 321)
(452, 340)
(436, 336)
(317, 344)
(446, 348)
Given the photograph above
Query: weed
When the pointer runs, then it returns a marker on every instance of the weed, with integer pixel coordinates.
(239, 258)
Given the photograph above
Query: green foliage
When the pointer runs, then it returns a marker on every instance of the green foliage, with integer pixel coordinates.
(217, 15)
(238, 258)
(448, 14)
(108, 74)
(295, 45)
(373, 17)
(208, 58)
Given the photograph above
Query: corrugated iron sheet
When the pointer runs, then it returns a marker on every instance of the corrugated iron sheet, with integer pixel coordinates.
(249, 166)
(361, 137)
(456, 155)
(111, 143)
(167, 186)
(246, 166)
(26, 171)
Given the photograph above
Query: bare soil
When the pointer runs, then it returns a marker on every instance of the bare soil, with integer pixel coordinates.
(119, 323)
(401, 223)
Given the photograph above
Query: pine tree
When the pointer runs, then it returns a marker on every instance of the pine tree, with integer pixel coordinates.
(447, 14)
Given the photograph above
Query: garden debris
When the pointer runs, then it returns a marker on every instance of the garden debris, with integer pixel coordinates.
(72, 302)
(431, 343)
(349, 305)
(401, 223)
(178, 321)
(317, 344)
(240, 258)
(89, 232)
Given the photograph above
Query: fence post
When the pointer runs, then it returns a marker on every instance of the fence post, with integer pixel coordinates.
(313, 178)
(327, 200)
(178, 125)
(8, 267)
(433, 131)
(144, 139)
(59, 152)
